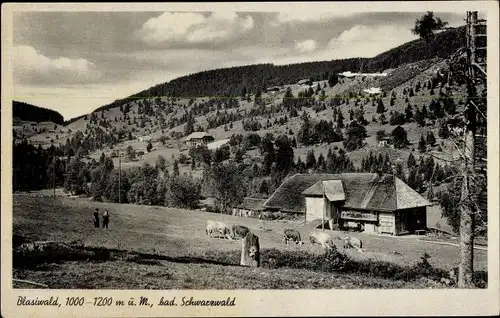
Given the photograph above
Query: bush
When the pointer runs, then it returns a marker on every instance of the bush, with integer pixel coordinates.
(182, 192)
(183, 159)
(480, 279)
(335, 261)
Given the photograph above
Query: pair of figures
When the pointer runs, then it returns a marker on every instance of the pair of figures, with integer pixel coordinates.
(105, 219)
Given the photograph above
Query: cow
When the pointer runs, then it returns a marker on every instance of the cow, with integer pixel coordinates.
(353, 242)
(210, 228)
(223, 230)
(322, 238)
(219, 228)
(240, 231)
(292, 235)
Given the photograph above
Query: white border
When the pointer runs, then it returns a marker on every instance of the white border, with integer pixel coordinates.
(267, 302)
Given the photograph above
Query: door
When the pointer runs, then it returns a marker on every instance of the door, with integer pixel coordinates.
(334, 214)
(386, 223)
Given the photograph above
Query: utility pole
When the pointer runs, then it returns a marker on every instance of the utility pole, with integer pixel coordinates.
(54, 174)
(324, 206)
(119, 177)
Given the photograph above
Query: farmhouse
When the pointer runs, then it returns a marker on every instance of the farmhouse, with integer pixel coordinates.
(378, 203)
(144, 138)
(373, 91)
(384, 141)
(249, 207)
(198, 138)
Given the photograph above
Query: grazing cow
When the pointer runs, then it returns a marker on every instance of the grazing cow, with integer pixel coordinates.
(240, 231)
(353, 242)
(224, 230)
(219, 228)
(292, 235)
(322, 238)
(210, 228)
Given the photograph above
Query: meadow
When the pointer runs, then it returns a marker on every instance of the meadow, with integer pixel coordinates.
(165, 248)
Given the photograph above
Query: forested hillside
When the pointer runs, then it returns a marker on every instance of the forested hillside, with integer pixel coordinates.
(28, 112)
(442, 45)
(237, 81)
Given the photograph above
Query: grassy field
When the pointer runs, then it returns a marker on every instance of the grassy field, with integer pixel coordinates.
(179, 235)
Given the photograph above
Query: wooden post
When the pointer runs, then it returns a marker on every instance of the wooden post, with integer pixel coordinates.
(119, 176)
(250, 250)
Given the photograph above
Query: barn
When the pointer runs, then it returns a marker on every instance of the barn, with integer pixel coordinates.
(250, 207)
(377, 203)
(198, 138)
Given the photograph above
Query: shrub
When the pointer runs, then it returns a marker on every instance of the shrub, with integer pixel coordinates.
(334, 260)
(183, 159)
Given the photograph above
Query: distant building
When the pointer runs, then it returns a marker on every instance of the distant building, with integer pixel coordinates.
(373, 91)
(250, 207)
(369, 201)
(274, 89)
(351, 74)
(384, 142)
(144, 138)
(198, 138)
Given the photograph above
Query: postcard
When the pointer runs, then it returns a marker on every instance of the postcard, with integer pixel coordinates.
(250, 159)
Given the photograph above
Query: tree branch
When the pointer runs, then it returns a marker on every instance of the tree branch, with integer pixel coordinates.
(30, 282)
(443, 159)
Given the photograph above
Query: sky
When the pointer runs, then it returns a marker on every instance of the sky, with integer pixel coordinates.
(74, 62)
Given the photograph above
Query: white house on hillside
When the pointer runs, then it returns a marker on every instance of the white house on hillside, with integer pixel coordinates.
(144, 138)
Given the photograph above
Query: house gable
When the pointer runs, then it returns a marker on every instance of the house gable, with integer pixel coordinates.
(407, 198)
(333, 190)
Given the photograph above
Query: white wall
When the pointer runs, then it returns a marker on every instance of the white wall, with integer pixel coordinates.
(314, 208)
(370, 227)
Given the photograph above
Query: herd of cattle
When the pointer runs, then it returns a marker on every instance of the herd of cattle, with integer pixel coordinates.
(325, 239)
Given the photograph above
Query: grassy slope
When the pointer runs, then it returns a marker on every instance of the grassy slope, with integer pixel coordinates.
(180, 233)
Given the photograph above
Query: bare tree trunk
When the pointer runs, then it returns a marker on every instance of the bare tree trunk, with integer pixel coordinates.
(250, 251)
(466, 266)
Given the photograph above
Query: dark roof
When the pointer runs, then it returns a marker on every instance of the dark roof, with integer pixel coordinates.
(198, 135)
(367, 191)
(252, 204)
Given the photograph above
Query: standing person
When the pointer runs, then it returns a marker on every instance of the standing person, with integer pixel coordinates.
(96, 218)
(105, 219)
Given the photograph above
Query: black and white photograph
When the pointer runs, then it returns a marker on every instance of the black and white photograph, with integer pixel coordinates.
(246, 149)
